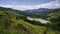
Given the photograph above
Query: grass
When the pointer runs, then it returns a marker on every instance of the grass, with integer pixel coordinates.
(19, 26)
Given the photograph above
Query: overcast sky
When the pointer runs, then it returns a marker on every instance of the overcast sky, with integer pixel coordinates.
(30, 4)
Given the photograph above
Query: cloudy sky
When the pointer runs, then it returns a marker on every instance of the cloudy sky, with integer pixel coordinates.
(30, 4)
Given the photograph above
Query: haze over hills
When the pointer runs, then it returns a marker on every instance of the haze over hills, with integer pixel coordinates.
(31, 12)
(39, 11)
(14, 22)
(29, 16)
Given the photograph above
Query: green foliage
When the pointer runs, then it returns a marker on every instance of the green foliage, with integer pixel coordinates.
(10, 24)
(14, 23)
(54, 17)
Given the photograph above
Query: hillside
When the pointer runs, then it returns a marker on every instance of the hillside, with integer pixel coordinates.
(54, 17)
(13, 23)
(10, 25)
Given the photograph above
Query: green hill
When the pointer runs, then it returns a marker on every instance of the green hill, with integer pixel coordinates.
(13, 23)
(54, 17)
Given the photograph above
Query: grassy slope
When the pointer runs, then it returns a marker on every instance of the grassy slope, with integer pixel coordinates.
(15, 24)
(10, 25)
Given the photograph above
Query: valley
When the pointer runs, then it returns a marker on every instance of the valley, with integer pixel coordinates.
(19, 22)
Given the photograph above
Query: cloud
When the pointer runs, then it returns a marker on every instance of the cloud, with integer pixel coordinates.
(53, 4)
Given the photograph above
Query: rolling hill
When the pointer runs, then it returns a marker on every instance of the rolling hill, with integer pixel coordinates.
(12, 22)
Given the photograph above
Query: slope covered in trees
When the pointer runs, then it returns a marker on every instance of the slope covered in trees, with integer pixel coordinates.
(12, 22)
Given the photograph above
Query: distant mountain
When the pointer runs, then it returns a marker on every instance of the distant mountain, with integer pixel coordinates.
(39, 11)
(12, 22)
